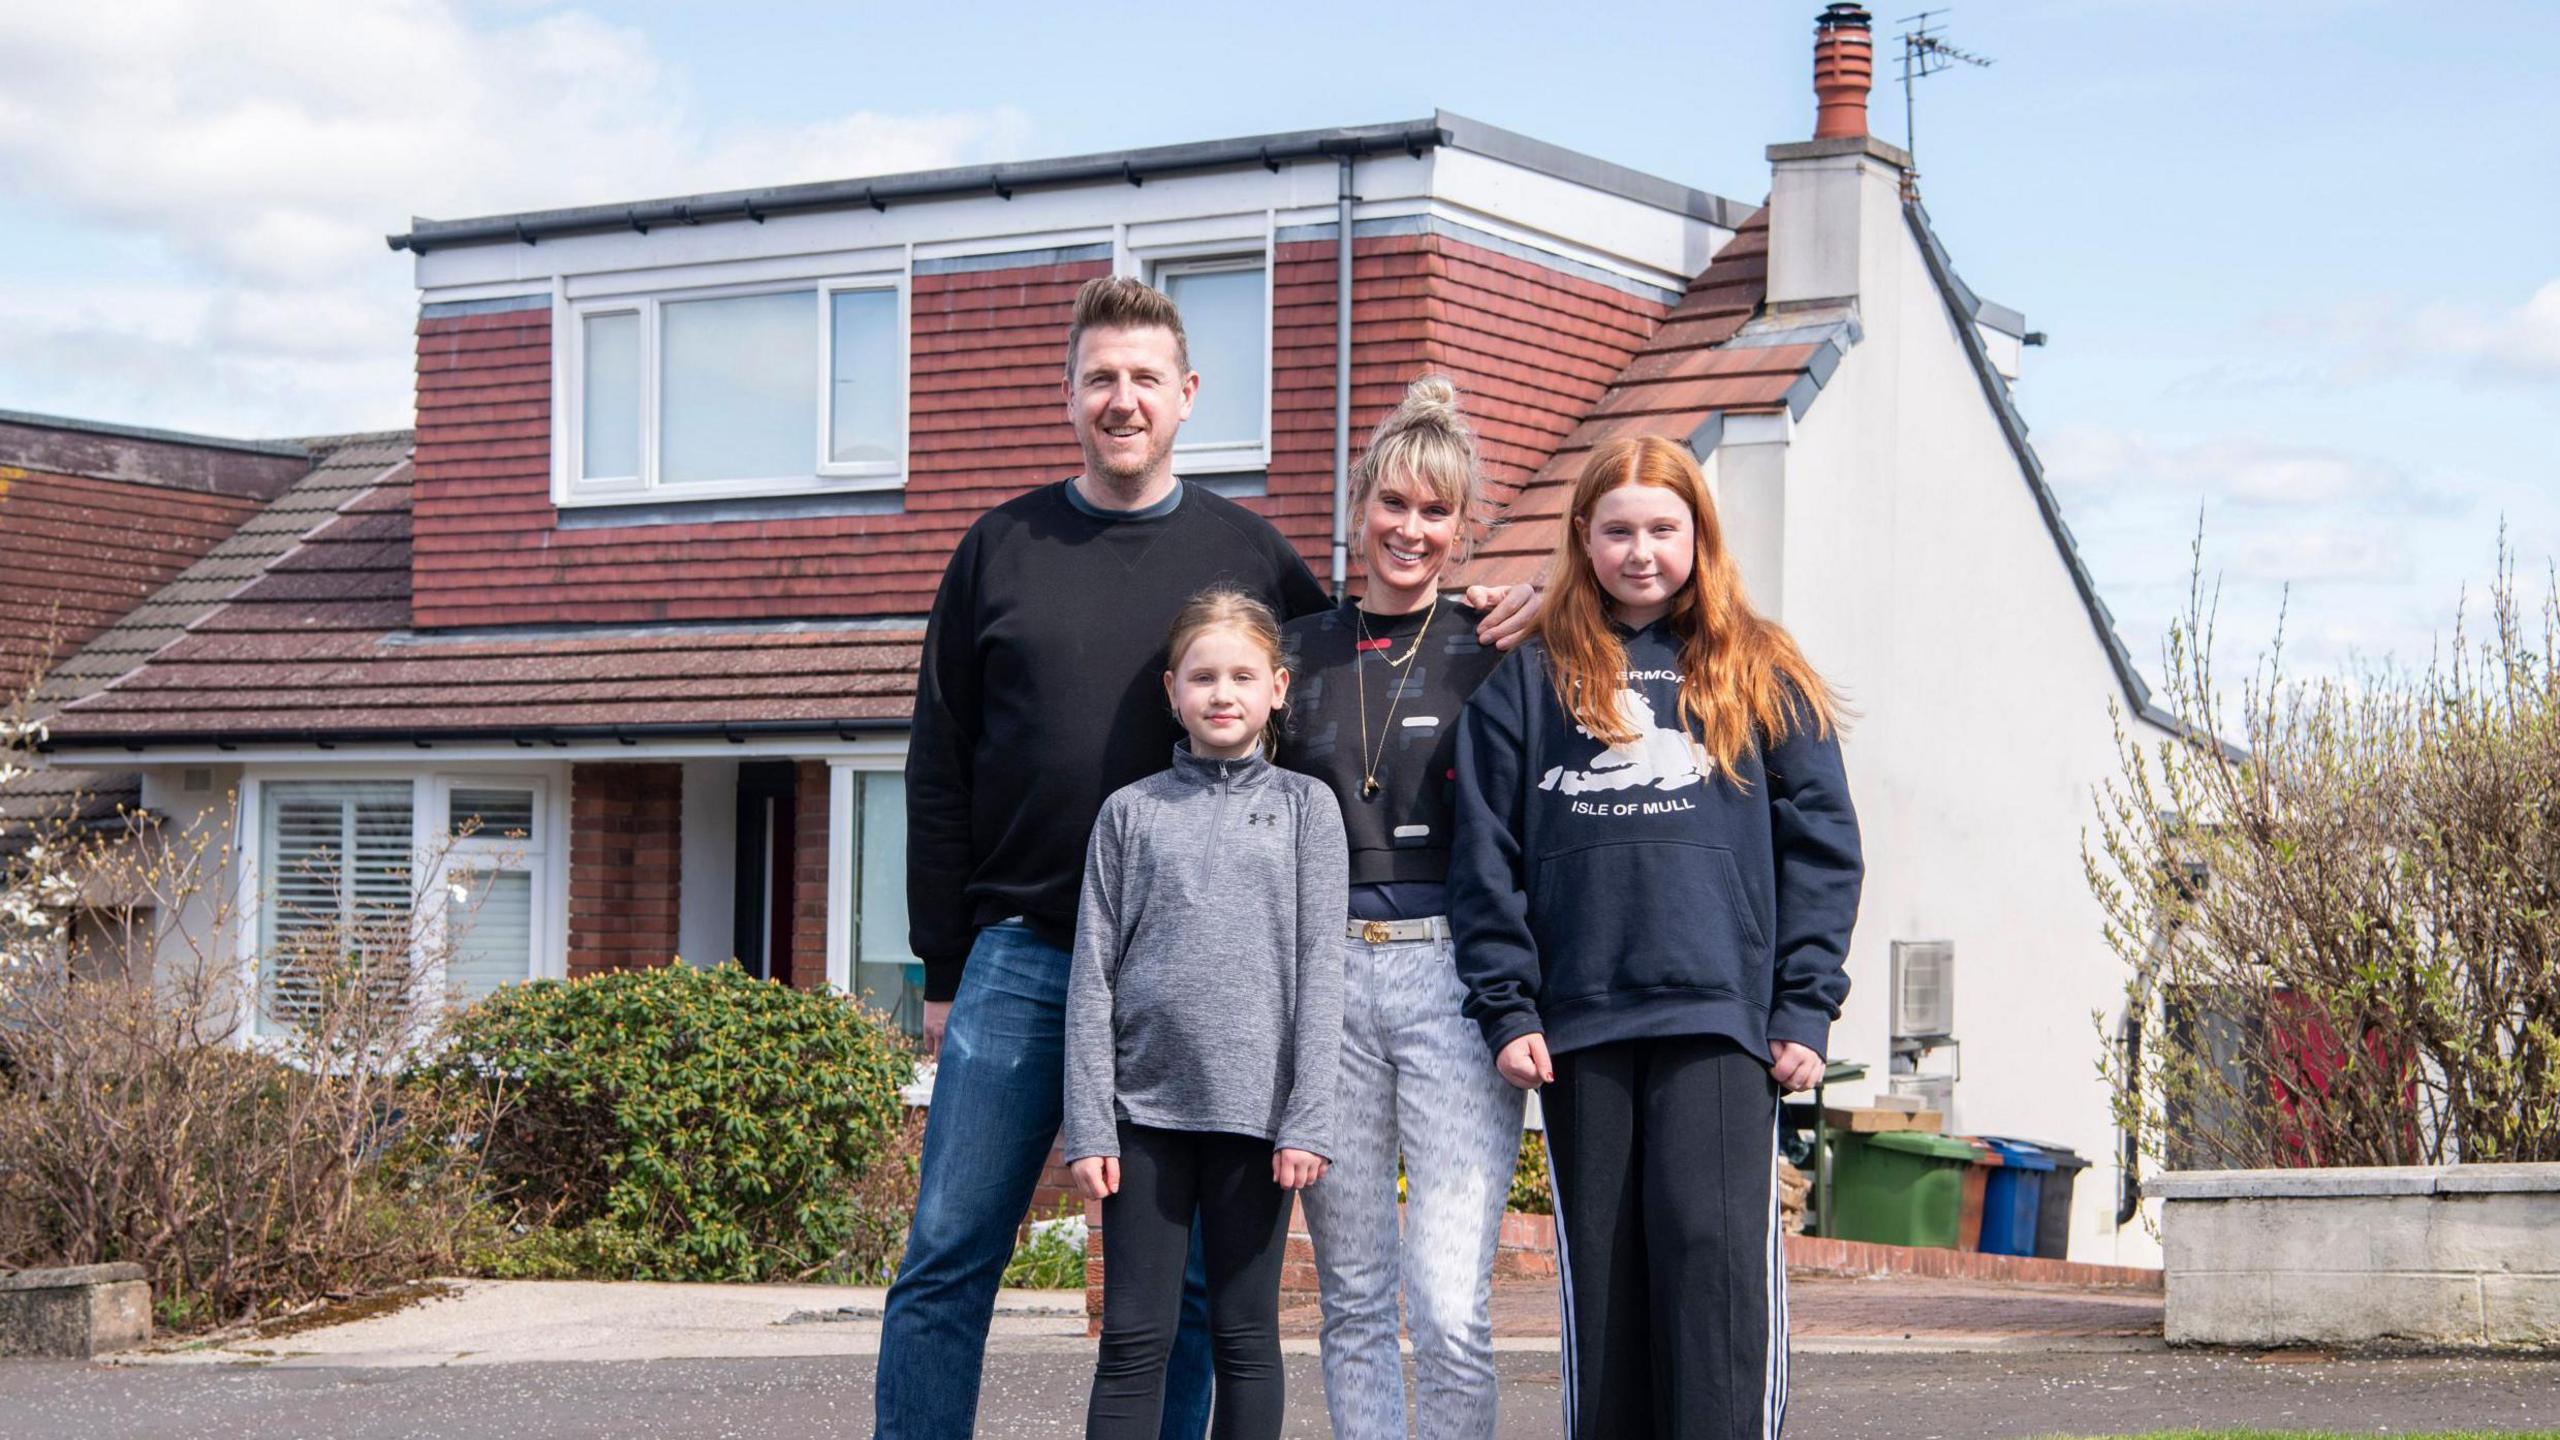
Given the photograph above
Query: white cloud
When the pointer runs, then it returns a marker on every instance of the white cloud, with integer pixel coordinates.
(2377, 339)
(2323, 553)
(265, 147)
(2095, 463)
(2523, 343)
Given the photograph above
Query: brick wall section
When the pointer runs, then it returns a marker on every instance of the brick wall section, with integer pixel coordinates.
(625, 834)
(809, 877)
(1531, 349)
(1392, 310)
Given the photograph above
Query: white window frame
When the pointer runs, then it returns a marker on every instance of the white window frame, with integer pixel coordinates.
(430, 799)
(570, 486)
(484, 851)
(1160, 264)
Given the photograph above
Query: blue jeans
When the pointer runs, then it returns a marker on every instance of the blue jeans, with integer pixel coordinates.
(997, 1098)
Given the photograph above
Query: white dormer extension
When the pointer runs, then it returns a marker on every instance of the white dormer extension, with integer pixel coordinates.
(758, 343)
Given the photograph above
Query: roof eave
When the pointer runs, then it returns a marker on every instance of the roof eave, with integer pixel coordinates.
(1132, 167)
(525, 735)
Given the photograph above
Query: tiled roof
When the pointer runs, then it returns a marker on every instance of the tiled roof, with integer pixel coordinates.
(346, 468)
(79, 551)
(1714, 354)
(311, 642)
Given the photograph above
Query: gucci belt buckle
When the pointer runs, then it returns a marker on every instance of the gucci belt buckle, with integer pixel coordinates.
(1374, 931)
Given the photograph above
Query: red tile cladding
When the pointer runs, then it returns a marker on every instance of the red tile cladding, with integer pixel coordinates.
(1668, 386)
(489, 550)
(1531, 347)
(809, 877)
(625, 865)
(79, 552)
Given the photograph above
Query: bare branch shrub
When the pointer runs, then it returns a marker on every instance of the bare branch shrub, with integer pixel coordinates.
(2344, 935)
(146, 1116)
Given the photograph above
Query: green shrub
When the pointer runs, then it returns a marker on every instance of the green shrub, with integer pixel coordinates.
(1052, 1256)
(1529, 1194)
(688, 1124)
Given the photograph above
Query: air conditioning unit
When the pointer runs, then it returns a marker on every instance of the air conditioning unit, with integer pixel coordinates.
(1924, 989)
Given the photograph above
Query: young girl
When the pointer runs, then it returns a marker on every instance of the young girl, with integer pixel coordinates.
(1381, 682)
(1204, 1026)
(1656, 872)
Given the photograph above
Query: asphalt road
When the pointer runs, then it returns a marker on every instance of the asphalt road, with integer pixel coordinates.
(1895, 1396)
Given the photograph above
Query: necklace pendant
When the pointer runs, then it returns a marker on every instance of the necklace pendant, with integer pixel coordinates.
(1369, 789)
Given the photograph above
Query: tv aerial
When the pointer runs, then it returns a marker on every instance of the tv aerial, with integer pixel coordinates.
(1925, 52)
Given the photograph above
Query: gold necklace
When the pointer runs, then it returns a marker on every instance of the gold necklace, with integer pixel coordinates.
(1371, 759)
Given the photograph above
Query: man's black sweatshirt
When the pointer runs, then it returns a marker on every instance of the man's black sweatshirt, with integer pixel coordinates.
(1042, 692)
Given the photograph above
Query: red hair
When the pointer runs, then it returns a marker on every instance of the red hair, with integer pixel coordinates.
(1741, 674)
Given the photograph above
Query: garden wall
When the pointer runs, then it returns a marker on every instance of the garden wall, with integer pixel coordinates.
(2452, 1255)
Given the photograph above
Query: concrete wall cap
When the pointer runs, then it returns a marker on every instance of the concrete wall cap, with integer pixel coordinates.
(2292, 1184)
(2346, 1181)
(71, 1277)
(2498, 1179)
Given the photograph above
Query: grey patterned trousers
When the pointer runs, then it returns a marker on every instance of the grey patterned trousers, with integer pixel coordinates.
(1416, 1079)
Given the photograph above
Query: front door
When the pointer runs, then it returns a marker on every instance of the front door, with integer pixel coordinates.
(768, 838)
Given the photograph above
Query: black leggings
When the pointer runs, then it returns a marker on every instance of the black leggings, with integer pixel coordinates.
(1166, 1176)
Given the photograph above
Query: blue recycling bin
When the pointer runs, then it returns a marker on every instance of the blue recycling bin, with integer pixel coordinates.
(2012, 1196)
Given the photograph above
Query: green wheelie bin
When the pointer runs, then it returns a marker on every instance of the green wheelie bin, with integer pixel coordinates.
(1899, 1187)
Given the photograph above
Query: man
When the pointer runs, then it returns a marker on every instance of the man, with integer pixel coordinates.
(1038, 696)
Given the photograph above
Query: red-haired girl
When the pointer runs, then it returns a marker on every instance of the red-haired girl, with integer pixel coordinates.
(1655, 875)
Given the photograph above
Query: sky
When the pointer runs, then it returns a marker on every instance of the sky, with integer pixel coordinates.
(2298, 260)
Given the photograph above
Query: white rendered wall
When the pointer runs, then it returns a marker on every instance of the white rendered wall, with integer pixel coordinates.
(707, 905)
(186, 934)
(1921, 579)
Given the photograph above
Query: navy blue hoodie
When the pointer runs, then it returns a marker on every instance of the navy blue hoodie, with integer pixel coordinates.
(1607, 893)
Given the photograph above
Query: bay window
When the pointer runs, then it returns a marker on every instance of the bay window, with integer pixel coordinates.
(448, 875)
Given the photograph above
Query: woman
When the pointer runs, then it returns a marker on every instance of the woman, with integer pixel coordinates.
(1381, 682)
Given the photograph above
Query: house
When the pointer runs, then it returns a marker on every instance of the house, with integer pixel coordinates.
(96, 521)
(646, 592)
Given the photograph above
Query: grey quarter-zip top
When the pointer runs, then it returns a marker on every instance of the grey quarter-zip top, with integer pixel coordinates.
(1207, 987)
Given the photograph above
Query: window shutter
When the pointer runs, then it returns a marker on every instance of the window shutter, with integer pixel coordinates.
(336, 858)
(493, 935)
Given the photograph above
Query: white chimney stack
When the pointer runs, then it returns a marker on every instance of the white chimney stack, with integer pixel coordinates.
(1831, 197)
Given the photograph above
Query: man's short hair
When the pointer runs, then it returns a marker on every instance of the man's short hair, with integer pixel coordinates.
(1116, 302)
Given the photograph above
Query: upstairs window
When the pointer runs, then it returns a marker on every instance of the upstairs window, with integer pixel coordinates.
(733, 393)
(1226, 315)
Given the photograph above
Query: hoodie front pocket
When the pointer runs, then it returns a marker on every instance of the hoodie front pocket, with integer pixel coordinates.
(1642, 915)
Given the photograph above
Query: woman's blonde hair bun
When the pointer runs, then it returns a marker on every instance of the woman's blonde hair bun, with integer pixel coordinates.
(1426, 436)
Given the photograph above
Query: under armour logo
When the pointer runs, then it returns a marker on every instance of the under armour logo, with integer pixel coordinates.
(1262, 819)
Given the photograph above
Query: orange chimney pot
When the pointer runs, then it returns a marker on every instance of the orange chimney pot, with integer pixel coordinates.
(1844, 69)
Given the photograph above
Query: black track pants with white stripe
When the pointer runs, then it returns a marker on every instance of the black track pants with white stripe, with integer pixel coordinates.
(1664, 1158)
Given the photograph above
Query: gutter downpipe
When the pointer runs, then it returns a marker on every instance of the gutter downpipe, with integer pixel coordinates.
(1342, 386)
